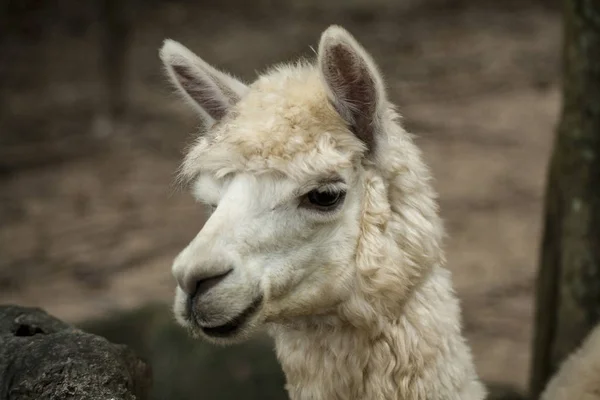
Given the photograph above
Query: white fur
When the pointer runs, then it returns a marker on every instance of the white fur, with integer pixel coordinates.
(357, 300)
(579, 376)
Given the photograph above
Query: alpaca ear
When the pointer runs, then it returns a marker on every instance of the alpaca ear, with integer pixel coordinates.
(354, 84)
(209, 90)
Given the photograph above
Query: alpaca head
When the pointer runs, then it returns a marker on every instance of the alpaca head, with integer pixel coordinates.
(291, 169)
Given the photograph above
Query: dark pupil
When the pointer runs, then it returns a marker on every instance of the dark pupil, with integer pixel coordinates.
(323, 199)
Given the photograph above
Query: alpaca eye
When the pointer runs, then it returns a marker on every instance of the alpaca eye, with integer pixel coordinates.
(324, 200)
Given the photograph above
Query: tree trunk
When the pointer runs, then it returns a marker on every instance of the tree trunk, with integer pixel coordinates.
(568, 291)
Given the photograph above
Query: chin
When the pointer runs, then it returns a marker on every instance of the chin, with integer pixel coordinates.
(237, 329)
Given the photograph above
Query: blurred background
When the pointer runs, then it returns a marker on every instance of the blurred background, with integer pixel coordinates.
(91, 135)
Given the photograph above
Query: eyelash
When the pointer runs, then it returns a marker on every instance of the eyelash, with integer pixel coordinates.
(323, 199)
(310, 200)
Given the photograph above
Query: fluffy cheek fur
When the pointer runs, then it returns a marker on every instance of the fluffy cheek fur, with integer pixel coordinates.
(300, 263)
(324, 281)
(323, 266)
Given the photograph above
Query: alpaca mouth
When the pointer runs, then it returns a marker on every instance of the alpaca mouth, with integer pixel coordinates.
(235, 324)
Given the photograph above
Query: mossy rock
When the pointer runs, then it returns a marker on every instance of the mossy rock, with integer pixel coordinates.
(189, 369)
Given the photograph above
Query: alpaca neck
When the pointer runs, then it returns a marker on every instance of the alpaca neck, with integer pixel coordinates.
(418, 354)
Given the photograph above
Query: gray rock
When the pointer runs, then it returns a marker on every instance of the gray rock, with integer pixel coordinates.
(43, 358)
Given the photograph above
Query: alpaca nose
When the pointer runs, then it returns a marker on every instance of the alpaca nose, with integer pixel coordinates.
(203, 285)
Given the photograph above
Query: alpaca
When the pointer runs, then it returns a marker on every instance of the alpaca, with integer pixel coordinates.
(323, 230)
(578, 376)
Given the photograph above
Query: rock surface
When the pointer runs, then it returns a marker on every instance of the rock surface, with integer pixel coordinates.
(43, 358)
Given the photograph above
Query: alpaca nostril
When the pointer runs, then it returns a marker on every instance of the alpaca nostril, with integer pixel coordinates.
(203, 285)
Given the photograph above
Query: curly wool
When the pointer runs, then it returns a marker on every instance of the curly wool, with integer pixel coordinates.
(399, 336)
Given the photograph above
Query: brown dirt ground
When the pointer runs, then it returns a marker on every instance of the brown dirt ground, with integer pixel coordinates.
(90, 223)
